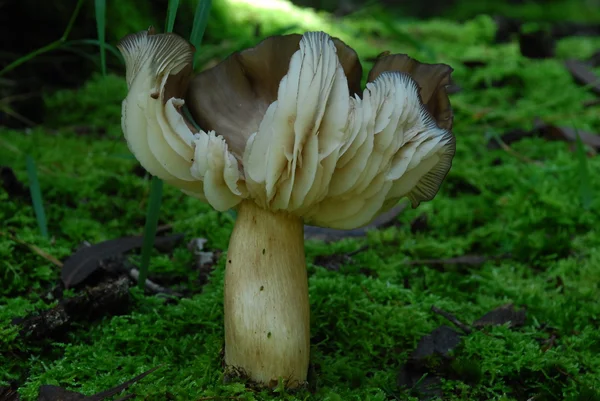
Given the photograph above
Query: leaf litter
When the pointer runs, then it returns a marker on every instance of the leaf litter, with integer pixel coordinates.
(86, 260)
(435, 355)
(56, 393)
(549, 132)
(109, 297)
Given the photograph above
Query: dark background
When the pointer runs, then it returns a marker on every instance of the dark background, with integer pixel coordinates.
(26, 25)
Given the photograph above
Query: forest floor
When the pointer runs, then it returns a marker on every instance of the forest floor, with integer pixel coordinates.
(490, 291)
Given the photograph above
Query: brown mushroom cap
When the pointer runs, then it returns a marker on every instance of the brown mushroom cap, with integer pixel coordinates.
(432, 80)
(232, 97)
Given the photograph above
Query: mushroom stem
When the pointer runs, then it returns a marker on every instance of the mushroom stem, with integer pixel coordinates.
(267, 312)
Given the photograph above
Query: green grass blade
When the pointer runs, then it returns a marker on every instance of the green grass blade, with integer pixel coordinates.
(156, 186)
(36, 197)
(200, 21)
(95, 42)
(100, 6)
(49, 47)
(72, 20)
(150, 228)
(171, 14)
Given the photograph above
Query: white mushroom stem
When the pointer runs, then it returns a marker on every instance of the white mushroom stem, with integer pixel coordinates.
(267, 317)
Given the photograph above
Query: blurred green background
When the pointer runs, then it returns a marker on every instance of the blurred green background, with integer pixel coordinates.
(27, 25)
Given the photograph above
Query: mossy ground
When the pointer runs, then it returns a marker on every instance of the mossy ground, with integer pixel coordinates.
(368, 316)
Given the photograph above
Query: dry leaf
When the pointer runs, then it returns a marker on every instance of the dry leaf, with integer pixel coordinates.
(502, 315)
(583, 74)
(86, 260)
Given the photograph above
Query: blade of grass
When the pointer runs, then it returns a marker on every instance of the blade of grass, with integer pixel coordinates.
(200, 21)
(100, 6)
(33, 248)
(510, 150)
(9, 111)
(171, 14)
(49, 47)
(150, 228)
(81, 53)
(36, 197)
(156, 187)
(112, 49)
(198, 28)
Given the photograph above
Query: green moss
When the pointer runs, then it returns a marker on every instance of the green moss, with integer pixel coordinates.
(92, 107)
(367, 317)
(556, 10)
(574, 47)
(123, 18)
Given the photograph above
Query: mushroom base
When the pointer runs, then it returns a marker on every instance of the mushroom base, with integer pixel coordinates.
(267, 312)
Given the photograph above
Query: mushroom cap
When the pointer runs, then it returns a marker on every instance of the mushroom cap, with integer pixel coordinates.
(288, 127)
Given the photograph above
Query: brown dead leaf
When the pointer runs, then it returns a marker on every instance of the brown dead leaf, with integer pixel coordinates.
(503, 315)
(583, 74)
(470, 260)
(418, 375)
(591, 103)
(335, 261)
(456, 264)
(549, 132)
(568, 134)
(9, 393)
(110, 297)
(86, 260)
(595, 59)
(56, 393)
(332, 262)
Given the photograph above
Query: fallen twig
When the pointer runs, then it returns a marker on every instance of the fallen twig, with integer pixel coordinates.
(450, 317)
(35, 249)
(367, 293)
(57, 393)
(591, 103)
(86, 260)
(124, 386)
(150, 285)
(336, 260)
(514, 153)
(465, 260)
(108, 297)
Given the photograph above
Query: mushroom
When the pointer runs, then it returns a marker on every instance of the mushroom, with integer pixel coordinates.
(287, 137)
